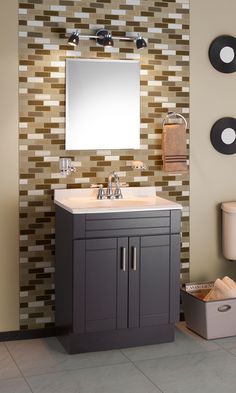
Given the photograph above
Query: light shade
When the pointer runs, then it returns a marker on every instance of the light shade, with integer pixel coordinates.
(108, 41)
(140, 42)
(104, 38)
(74, 39)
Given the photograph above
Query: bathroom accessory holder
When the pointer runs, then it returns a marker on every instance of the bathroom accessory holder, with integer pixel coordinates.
(65, 166)
(174, 115)
(174, 146)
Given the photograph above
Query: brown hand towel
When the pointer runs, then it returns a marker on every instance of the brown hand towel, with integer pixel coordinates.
(174, 147)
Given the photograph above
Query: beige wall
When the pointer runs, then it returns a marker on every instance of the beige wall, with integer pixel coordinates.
(212, 175)
(9, 260)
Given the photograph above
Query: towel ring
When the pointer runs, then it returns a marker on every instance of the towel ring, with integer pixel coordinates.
(174, 114)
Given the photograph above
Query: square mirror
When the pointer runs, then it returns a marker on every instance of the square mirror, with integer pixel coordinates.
(102, 104)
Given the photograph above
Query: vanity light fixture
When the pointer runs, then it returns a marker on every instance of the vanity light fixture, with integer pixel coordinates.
(140, 42)
(74, 39)
(104, 38)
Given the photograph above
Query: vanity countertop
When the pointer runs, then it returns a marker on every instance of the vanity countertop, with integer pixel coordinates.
(84, 201)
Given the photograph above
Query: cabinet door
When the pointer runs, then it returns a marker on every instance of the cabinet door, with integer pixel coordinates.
(154, 280)
(134, 282)
(104, 290)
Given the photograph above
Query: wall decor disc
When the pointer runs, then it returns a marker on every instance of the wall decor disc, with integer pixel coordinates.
(222, 53)
(223, 135)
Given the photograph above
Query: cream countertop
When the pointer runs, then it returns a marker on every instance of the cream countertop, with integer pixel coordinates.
(84, 201)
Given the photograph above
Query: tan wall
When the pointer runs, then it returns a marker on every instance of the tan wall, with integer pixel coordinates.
(9, 244)
(212, 175)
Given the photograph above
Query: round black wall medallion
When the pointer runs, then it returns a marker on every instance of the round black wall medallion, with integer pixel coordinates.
(223, 135)
(222, 53)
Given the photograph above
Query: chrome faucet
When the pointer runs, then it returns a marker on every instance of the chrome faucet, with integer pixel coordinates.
(117, 194)
(110, 193)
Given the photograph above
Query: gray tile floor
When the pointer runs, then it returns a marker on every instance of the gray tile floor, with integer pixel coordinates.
(190, 364)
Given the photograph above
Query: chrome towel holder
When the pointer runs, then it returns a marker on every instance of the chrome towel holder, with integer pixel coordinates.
(176, 115)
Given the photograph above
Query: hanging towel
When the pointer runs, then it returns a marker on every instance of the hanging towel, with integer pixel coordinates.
(174, 147)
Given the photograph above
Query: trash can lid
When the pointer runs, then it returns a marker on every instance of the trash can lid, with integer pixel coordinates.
(229, 207)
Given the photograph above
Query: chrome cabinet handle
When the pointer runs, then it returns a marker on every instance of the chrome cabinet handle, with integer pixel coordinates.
(123, 265)
(134, 258)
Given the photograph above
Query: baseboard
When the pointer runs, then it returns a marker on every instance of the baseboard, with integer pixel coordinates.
(33, 333)
(40, 333)
(116, 339)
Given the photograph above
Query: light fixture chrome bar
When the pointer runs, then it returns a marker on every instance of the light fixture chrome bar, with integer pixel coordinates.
(67, 35)
(124, 38)
(88, 36)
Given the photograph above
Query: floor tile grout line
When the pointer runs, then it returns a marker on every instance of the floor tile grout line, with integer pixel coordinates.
(12, 357)
(228, 350)
(155, 386)
(222, 347)
(172, 356)
(10, 379)
(67, 370)
(73, 369)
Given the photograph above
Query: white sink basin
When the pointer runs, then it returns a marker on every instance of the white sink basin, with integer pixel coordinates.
(84, 201)
(110, 203)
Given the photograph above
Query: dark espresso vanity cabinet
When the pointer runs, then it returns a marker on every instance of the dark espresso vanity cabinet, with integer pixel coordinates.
(117, 278)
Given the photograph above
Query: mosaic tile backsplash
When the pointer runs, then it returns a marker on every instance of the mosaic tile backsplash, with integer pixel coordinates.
(164, 87)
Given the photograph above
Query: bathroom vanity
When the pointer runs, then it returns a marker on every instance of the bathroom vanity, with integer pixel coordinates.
(117, 269)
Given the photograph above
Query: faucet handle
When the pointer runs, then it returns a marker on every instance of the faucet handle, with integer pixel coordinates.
(117, 192)
(101, 193)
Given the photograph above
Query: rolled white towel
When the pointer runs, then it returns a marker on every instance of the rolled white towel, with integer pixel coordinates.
(222, 289)
(229, 282)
